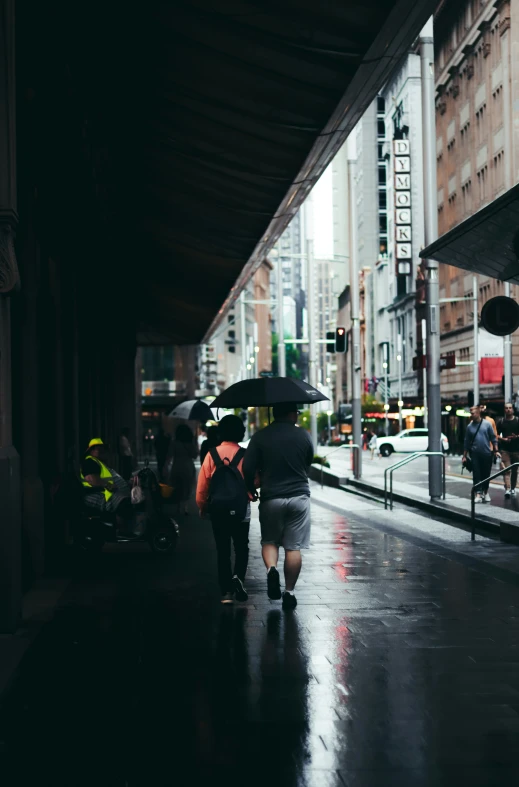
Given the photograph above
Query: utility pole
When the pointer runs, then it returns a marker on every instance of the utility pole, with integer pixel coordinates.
(386, 392)
(432, 285)
(399, 361)
(282, 366)
(312, 351)
(243, 336)
(424, 355)
(355, 330)
(509, 386)
(476, 337)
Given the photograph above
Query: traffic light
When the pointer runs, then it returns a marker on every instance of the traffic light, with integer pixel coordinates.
(341, 342)
(330, 341)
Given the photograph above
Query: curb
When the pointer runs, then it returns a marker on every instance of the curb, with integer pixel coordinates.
(488, 524)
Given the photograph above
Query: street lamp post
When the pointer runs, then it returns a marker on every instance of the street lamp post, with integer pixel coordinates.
(312, 350)
(432, 286)
(386, 386)
(476, 337)
(282, 368)
(399, 360)
(424, 355)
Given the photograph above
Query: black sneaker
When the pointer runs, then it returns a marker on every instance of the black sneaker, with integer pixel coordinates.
(273, 586)
(289, 601)
(239, 591)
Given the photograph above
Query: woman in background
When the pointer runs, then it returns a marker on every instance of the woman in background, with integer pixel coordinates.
(181, 466)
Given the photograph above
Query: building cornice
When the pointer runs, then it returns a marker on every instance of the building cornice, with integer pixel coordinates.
(470, 39)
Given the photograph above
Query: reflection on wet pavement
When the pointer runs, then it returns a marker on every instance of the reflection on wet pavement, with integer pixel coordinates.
(399, 666)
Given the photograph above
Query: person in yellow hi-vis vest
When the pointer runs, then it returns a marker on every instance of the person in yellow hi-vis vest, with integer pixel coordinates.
(110, 492)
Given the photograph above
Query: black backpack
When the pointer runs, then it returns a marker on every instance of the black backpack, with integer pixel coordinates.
(228, 498)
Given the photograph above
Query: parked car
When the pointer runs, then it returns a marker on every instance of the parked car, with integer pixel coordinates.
(407, 442)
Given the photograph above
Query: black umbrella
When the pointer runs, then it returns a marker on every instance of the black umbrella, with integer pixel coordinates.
(266, 391)
(192, 410)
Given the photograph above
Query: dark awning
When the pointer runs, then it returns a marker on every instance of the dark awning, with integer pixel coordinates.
(487, 242)
(192, 130)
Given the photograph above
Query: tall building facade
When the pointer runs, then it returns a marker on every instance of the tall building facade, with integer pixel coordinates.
(396, 275)
(477, 150)
(242, 346)
(289, 253)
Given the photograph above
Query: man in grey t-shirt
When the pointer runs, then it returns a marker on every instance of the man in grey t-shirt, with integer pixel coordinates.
(281, 454)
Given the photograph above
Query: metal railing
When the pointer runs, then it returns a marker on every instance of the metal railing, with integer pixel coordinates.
(475, 487)
(352, 446)
(403, 462)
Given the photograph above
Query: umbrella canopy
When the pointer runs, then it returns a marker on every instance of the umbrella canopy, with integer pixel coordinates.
(192, 410)
(266, 391)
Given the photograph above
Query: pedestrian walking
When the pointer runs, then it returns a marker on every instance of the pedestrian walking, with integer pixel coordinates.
(222, 493)
(180, 467)
(508, 432)
(487, 417)
(281, 455)
(212, 440)
(480, 450)
(373, 445)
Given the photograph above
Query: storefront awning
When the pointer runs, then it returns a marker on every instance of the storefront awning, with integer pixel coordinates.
(486, 243)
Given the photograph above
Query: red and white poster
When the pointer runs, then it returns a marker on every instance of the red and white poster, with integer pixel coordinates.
(491, 358)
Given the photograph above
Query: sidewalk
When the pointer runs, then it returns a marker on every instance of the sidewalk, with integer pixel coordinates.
(410, 485)
(400, 665)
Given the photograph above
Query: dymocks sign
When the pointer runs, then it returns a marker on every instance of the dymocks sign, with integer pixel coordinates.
(403, 231)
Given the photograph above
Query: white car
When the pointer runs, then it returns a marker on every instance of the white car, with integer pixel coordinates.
(407, 442)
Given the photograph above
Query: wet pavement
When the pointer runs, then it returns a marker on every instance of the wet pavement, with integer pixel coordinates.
(400, 666)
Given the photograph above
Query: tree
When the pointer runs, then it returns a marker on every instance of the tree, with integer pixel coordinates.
(322, 420)
(371, 405)
(292, 356)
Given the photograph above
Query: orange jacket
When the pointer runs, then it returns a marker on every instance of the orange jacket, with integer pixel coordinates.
(225, 451)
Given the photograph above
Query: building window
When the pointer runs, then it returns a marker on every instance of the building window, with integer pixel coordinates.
(381, 105)
(482, 184)
(499, 180)
(466, 190)
(481, 115)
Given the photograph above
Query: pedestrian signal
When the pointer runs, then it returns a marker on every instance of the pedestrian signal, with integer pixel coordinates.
(341, 341)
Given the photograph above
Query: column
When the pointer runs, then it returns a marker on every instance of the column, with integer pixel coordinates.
(10, 531)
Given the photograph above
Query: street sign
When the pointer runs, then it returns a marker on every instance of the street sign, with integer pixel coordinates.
(447, 362)
(500, 316)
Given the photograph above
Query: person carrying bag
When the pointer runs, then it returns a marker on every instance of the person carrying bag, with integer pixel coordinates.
(221, 493)
(479, 451)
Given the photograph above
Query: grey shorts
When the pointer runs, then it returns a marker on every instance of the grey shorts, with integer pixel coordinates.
(285, 521)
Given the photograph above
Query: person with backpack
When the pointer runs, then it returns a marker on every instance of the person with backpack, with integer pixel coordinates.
(508, 432)
(221, 493)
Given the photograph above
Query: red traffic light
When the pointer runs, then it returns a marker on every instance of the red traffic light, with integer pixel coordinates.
(341, 344)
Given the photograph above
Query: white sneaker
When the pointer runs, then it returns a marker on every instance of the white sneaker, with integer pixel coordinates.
(486, 498)
(507, 493)
(512, 492)
(478, 499)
